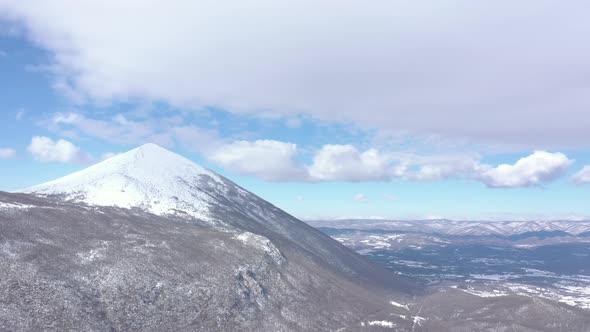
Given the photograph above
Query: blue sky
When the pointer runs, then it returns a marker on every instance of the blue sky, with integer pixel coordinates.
(320, 118)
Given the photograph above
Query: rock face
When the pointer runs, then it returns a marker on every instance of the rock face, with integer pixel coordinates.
(149, 241)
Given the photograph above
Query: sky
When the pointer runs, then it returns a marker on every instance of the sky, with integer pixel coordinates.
(339, 109)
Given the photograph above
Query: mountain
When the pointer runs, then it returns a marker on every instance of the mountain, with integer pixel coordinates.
(462, 227)
(149, 241)
(153, 179)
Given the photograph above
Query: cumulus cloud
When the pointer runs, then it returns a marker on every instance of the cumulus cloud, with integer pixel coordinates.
(532, 170)
(266, 159)
(455, 69)
(583, 176)
(347, 163)
(360, 198)
(45, 149)
(277, 161)
(6, 153)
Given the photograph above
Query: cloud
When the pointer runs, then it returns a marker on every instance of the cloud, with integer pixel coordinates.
(473, 71)
(197, 139)
(6, 153)
(266, 159)
(346, 163)
(20, 114)
(532, 170)
(583, 176)
(277, 161)
(117, 129)
(361, 198)
(300, 198)
(45, 149)
(390, 198)
(441, 169)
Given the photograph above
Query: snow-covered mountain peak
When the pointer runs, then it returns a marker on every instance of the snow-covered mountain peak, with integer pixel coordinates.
(149, 177)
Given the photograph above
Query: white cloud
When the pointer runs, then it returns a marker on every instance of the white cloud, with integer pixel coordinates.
(6, 153)
(45, 149)
(534, 169)
(300, 198)
(118, 129)
(360, 198)
(346, 163)
(455, 69)
(583, 176)
(197, 139)
(390, 198)
(265, 159)
(276, 161)
(442, 169)
(20, 114)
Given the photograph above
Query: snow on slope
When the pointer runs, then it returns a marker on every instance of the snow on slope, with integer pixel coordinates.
(148, 177)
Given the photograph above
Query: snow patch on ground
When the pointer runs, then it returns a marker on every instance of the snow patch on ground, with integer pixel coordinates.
(262, 243)
(417, 320)
(14, 206)
(493, 277)
(399, 305)
(382, 323)
(484, 293)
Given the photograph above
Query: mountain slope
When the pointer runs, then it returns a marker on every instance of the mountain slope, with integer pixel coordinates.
(72, 267)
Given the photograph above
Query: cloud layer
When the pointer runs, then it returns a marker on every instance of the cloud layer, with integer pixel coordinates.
(476, 71)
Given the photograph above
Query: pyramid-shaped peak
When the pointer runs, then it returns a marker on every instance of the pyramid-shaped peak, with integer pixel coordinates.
(149, 151)
(149, 176)
(151, 148)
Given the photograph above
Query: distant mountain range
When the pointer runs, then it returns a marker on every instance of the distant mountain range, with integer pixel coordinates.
(454, 227)
(149, 241)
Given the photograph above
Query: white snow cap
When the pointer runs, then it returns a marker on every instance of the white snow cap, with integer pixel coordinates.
(149, 177)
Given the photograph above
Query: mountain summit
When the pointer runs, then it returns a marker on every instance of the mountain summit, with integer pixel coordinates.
(148, 177)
